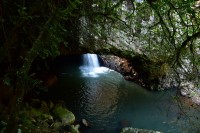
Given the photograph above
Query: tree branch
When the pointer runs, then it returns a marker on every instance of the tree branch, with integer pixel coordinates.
(184, 44)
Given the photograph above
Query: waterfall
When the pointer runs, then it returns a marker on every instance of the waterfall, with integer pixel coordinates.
(90, 60)
(91, 66)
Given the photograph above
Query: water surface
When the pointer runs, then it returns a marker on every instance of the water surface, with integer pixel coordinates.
(109, 103)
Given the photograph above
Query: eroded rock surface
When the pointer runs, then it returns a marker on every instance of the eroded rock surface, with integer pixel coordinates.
(123, 66)
(138, 69)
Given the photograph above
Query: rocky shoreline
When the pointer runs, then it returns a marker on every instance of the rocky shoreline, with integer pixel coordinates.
(141, 70)
(34, 114)
(41, 116)
(138, 71)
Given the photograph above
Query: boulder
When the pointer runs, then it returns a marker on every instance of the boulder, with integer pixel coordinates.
(64, 115)
(56, 125)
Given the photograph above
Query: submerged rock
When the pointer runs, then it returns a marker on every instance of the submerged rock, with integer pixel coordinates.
(64, 115)
(136, 130)
(85, 123)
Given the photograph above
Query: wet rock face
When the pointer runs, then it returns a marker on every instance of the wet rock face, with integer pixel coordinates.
(121, 65)
(134, 69)
(149, 73)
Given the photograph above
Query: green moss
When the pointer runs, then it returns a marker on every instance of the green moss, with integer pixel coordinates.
(64, 115)
(74, 129)
(46, 117)
(27, 122)
(34, 112)
(157, 71)
(30, 116)
(151, 71)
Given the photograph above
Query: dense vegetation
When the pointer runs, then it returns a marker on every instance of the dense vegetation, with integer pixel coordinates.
(165, 31)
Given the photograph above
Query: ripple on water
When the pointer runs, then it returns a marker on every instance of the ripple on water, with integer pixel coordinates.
(108, 101)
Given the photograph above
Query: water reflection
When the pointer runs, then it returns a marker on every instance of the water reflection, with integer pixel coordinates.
(108, 103)
(88, 71)
(101, 100)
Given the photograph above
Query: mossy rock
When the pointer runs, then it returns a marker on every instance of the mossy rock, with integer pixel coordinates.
(31, 115)
(57, 125)
(64, 115)
(27, 122)
(74, 129)
(34, 112)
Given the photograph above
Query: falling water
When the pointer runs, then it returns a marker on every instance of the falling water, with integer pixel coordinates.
(90, 60)
(91, 66)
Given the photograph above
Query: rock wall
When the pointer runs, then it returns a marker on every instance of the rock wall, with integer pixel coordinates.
(137, 69)
(151, 75)
(121, 65)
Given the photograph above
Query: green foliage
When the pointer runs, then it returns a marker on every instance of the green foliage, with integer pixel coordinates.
(22, 10)
(56, 30)
(7, 80)
(28, 82)
(29, 30)
(165, 31)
